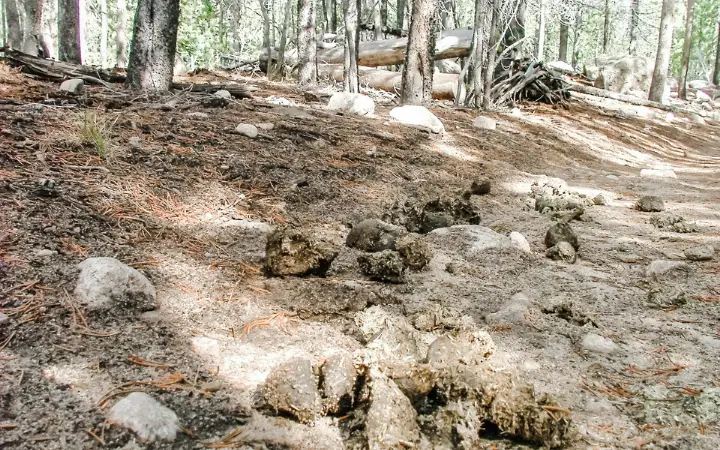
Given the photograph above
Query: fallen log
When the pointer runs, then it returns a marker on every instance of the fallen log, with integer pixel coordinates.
(388, 52)
(444, 84)
(588, 90)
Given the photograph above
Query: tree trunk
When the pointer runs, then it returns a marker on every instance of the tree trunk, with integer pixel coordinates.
(400, 14)
(333, 18)
(576, 36)
(687, 44)
(42, 41)
(564, 33)
(446, 15)
(69, 31)
(417, 73)
(121, 35)
(384, 12)
(266, 38)
(516, 29)
(662, 59)
(634, 19)
(283, 34)
(716, 72)
(351, 10)
(541, 32)
(606, 28)
(29, 43)
(492, 52)
(479, 51)
(307, 43)
(103, 33)
(12, 16)
(377, 21)
(153, 46)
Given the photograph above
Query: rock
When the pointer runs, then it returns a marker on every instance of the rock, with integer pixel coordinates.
(247, 129)
(266, 126)
(472, 241)
(414, 251)
(700, 253)
(386, 266)
(702, 97)
(556, 197)
(481, 187)
(484, 123)
(621, 74)
(563, 251)
(677, 224)
(212, 386)
(511, 314)
(698, 120)
(520, 242)
(390, 335)
(698, 84)
(145, 416)
(561, 66)
(600, 200)
(73, 86)
(349, 103)
(391, 421)
(660, 268)
(597, 344)
(612, 177)
(222, 93)
(4, 319)
(437, 213)
(292, 251)
(669, 117)
(135, 143)
(373, 235)
(338, 385)
(658, 173)
(464, 348)
(198, 115)
(417, 117)
(291, 389)
(560, 232)
(650, 203)
(106, 282)
(45, 252)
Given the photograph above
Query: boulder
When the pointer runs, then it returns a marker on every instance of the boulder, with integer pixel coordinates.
(350, 103)
(338, 386)
(663, 269)
(700, 253)
(293, 251)
(146, 417)
(417, 117)
(106, 282)
(484, 123)
(247, 129)
(385, 266)
(291, 388)
(650, 203)
(73, 86)
(373, 235)
(520, 242)
(560, 232)
(621, 74)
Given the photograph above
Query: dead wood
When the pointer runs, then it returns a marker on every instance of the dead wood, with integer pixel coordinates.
(588, 90)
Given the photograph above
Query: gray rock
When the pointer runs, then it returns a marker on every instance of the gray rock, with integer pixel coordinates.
(414, 251)
(600, 200)
(650, 203)
(73, 86)
(698, 84)
(247, 129)
(514, 314)
(373, 235)
(350, 103)
(658, 173)
(417, 117)
(222, 93)
(293, 251)
(698, 119)
(4, 319)
(464, 348)
(700, 253)
(266, 126)
(480, 187)
(135, 143)
(560, 232)
(677, 224)
(597, 344)
(702, 97)
(563, 251)
(385, 266)
(291, 389)
(520, 242)
(145, 416)
(45, 252)
(198, 115)
(484, 123)
(391, 421)
(106, 282)
(660, 268)
(338, 385)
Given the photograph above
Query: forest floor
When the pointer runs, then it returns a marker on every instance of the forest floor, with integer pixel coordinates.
(189, 202)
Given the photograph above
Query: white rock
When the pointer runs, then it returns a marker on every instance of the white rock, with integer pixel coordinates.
(147, 417)
(700, 253)
(612, 177)
(516, 112)
(598, 344)
(73, 86)
(248, 130)
(669, 117)
(698, 120)
(520, 242)
(702, 97)
(45, 252)
(658, 173)
(484, 123)
(105, 282)
(417, 117)
(698, 84)
(349, 103)
(135, 143)
(266, 126)
(660, 267)
(198, 115)
(4, 319)
(222, 93)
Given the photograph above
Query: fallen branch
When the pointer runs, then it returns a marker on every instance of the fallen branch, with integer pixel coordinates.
(588, 90)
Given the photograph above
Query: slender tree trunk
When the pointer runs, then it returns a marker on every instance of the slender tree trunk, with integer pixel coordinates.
(478, 55)
(716, 72)
(27, 20)
(634, 19)
(266, 38)
(283, 35)
(69, 31)
(384, 14)
(687, 44)
(576, 36)
(564, 34)
(492, 52)
(82, 8)
(351, 10)
(307, 43)
(400, 14)
(103, 33)
(153, 46)
(12, 16)
(333, 18)
(121, 35)
(541, 32)
(417, 73)
(516, 29)
(3, 28)
(446, 15)
(42, 41)
(606, 28)
(662, 59)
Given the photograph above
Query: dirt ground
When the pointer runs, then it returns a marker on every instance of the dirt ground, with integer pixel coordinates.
(189, 202)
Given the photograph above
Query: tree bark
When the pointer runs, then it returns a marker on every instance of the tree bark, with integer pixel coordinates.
(446, 15)
(687, 46)
(516, 29)
(12, 17)
(284, 33)
(479, 50)
(42, 41)
(662, 59)
(716, 72)
(378, 24)
(103, 33)
(634, 19)
(153, 46)
(121, 35)
(541, 33)
(266, 38)
(333, 18)
(351, 10)
(564, 33)
(400, 14)
(417, 73)
(576, 35)
(69, 31)
(606, 27)
(492, 52)
(307, 43)
(29, 42)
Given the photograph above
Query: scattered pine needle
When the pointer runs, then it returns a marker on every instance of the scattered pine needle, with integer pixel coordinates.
(280, 317)
(227, 441)
(134, 359)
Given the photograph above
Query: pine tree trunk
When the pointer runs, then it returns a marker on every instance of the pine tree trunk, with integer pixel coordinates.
(446, 15)
(307, 43)
(576, 35)
(418, 70)
(283, 35)
(564, 34)
(634, 19)
(69, 31)
(12, 17)
(716, 72)
(400, 14)
(492, 52)
(266, 39)
(351, 11)
(103, 33)
(153, 46)
(39, 32)
(662, 59)
(479, 50)
(377, 21)
(541, 32)
(516, 29)
(687, 46)
(121, 35)
(606, 28)
(384, 12)
(333, 18)
(27, 20)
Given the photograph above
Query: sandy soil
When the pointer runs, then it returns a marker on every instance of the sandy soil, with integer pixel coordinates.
(191, 207)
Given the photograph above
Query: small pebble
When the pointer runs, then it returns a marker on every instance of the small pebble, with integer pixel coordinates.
(598, 344)
(248, 130)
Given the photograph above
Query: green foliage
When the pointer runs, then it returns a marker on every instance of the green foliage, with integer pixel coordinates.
(96, 132)
(704, 38)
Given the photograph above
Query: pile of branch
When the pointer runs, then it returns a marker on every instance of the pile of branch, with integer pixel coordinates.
(530, 80)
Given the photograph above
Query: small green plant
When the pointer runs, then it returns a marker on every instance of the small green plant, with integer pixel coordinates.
(95, 131)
